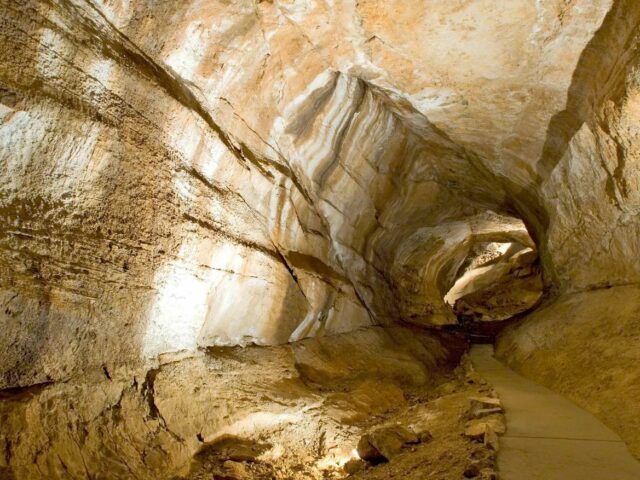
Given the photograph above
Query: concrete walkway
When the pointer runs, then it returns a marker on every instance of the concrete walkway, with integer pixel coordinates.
(548, 437)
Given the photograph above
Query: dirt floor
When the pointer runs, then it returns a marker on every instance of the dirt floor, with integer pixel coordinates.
(444, 453)
(289, 412)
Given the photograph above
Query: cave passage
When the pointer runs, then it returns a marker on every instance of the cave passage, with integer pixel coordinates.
(498, 281)
(255, 239)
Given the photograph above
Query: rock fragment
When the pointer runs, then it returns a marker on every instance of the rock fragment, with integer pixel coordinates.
(491, 439)
(483, 457)
(482, 406)
(368, 452)
(354, 466)
(484, 412)
(486, 430)
(235, 470)
(476, 429)
(384, 443)
(488, 474)
(471, 471)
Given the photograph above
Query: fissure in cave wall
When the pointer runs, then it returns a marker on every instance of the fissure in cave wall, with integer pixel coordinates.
(178, 176)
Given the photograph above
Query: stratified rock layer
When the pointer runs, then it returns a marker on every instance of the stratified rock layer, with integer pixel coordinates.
(177, 176)
(305, 398)
(214, 174)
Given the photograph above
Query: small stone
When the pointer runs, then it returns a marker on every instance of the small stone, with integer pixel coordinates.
(475, 428)
(485, 402)
(491, 439)
(472, 470)
(488, 474)
(367, 452)
(483, 457)
(482, 404)
(484, 412)
(420, 435)
(479, 453)
(353, 466)
(235, 470)
(384, 443)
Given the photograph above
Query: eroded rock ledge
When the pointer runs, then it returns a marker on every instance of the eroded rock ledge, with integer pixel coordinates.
(309, 400)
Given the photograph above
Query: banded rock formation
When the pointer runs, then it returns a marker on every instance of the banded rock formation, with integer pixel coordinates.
(181, 176)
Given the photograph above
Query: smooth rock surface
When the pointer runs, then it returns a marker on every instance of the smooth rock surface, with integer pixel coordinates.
(547, 436)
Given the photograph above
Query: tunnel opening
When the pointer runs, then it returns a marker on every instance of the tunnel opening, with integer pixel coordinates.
(499, 279)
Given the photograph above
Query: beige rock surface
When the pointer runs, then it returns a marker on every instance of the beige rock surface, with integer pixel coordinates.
(584, 342)
(162, 162)
(218, 407)
(573, 347)
(181, 176)
(499, 289)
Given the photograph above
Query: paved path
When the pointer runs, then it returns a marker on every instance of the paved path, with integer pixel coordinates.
(548, 437)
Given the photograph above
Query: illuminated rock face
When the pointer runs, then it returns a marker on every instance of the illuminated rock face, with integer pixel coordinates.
(584, 342)
(498, 288)
(222, 175)
(182, 175)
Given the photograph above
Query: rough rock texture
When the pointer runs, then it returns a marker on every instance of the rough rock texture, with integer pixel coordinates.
(501, 288)
(162, 162)
(177, 176)
(150, 426)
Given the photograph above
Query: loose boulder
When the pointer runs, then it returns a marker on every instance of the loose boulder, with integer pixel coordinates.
(384, 443)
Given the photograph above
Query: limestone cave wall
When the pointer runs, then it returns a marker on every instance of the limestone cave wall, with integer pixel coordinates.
(181, 176)
(584, 341)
